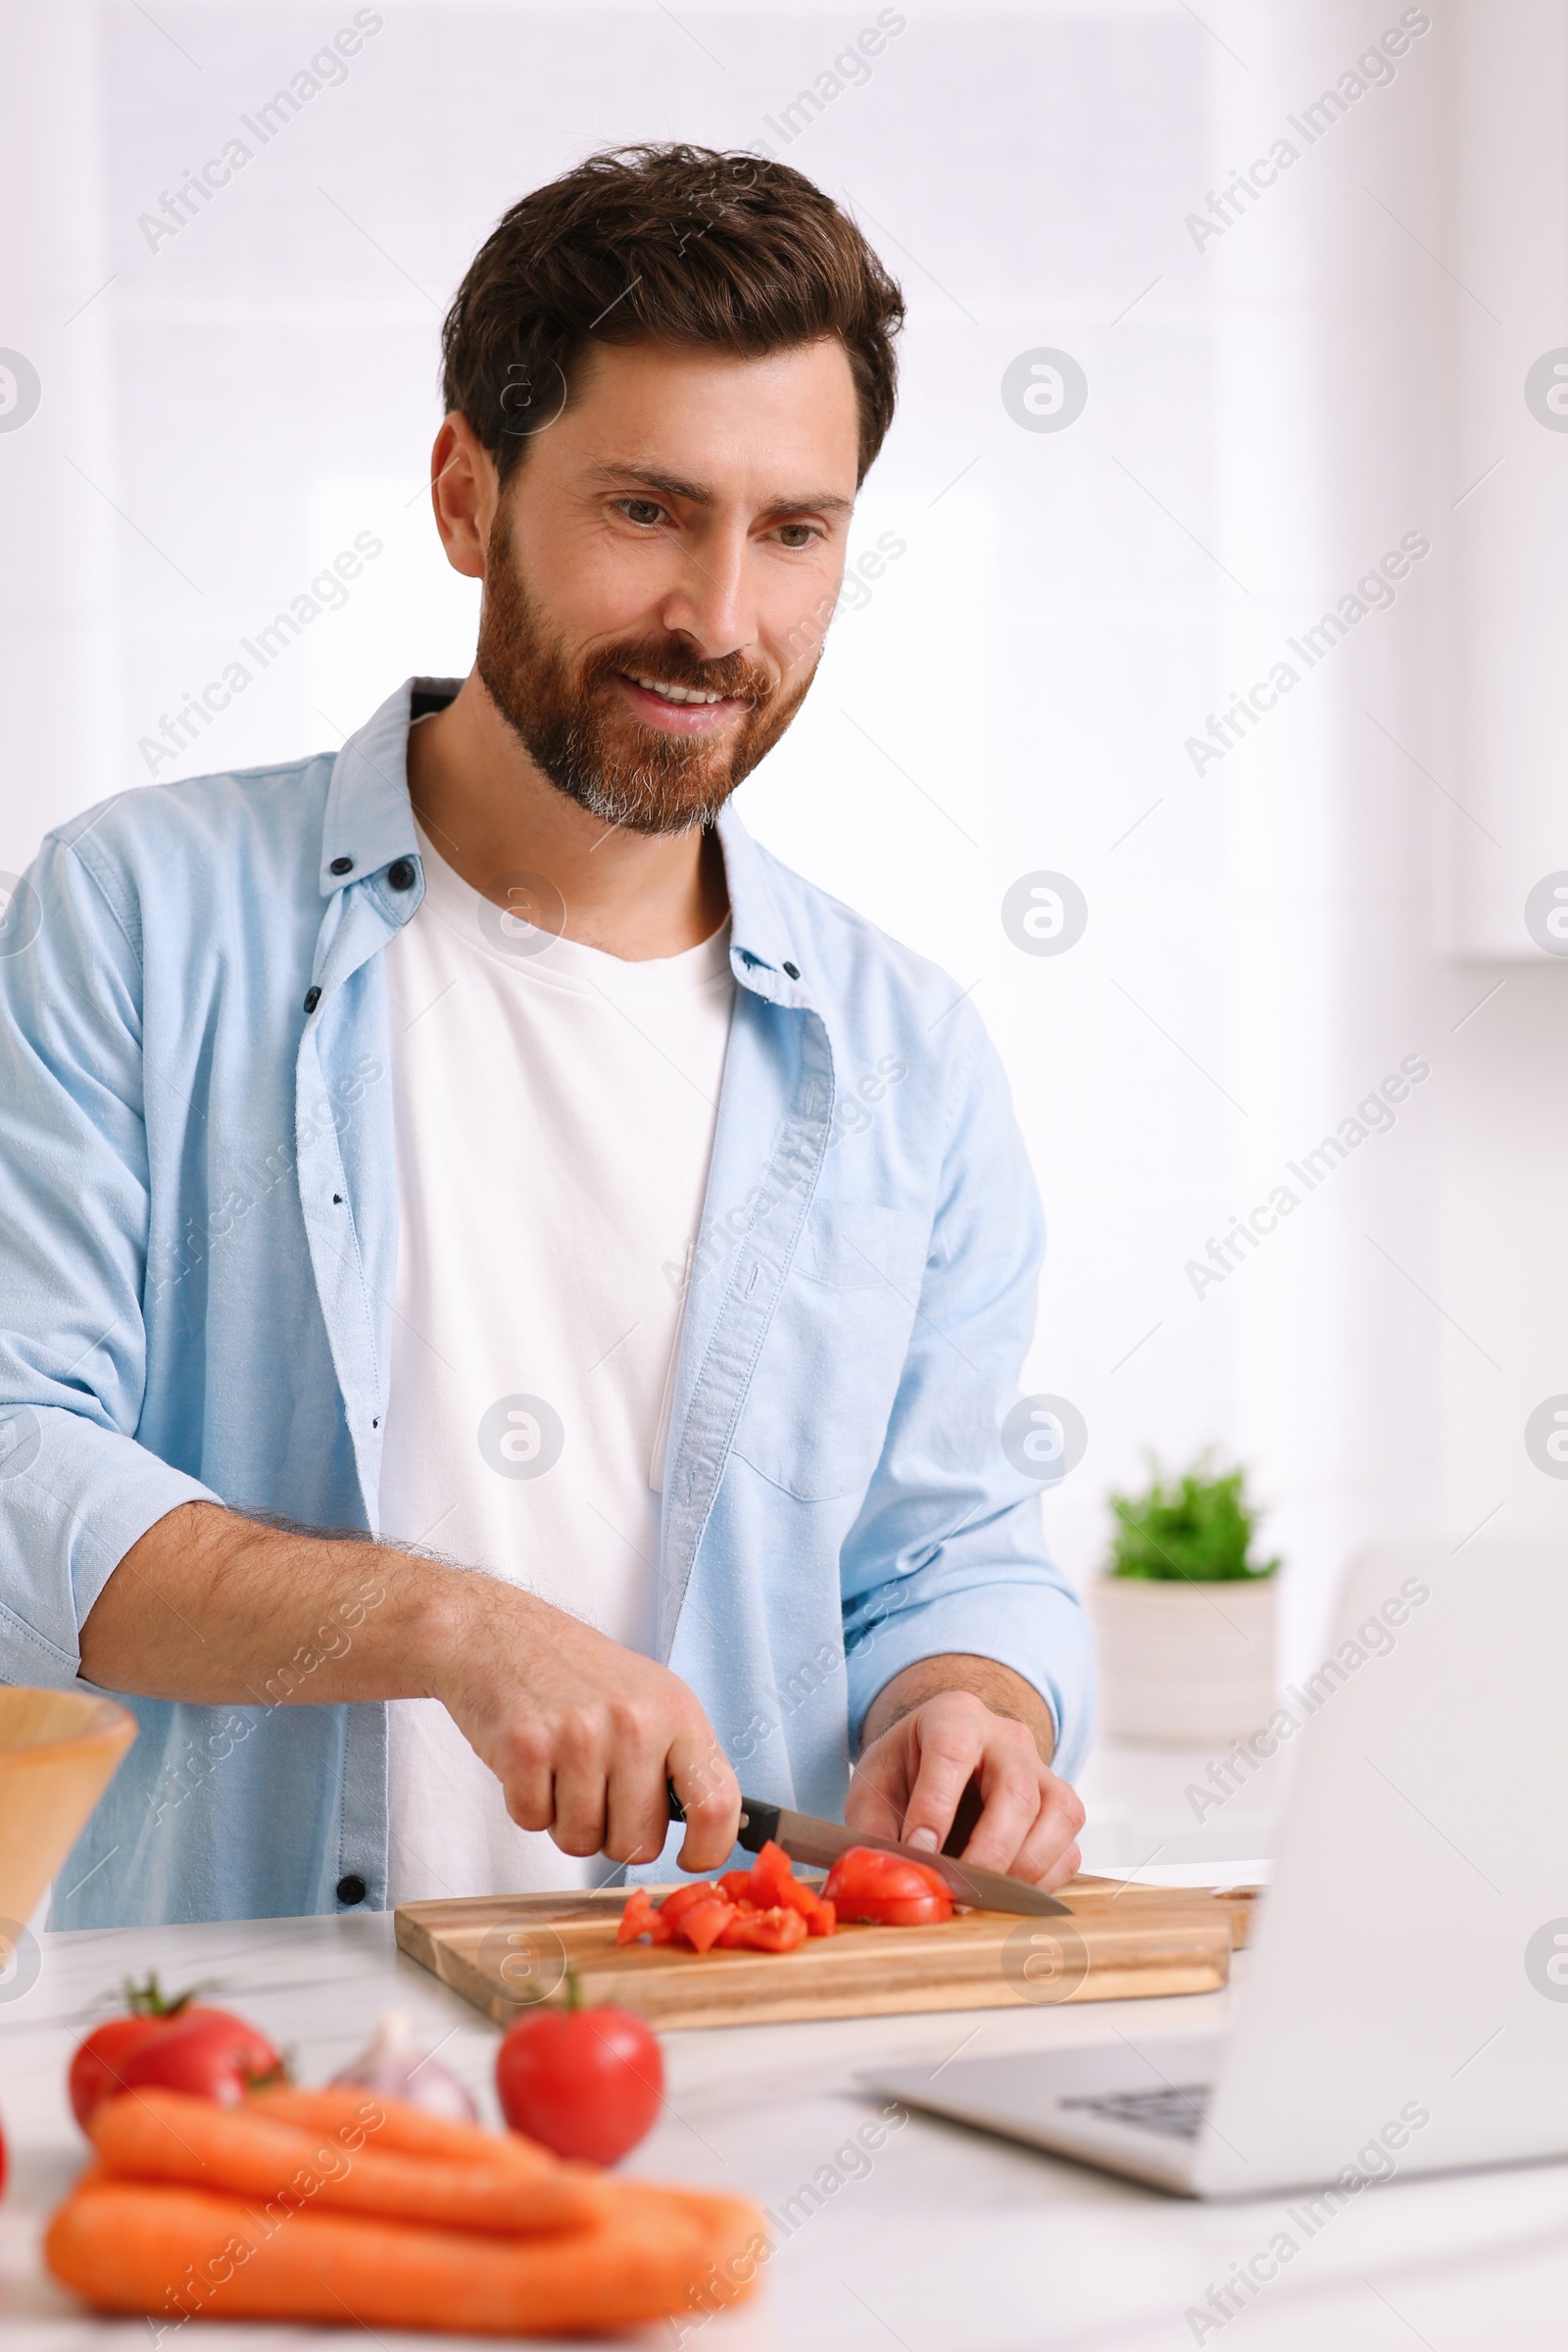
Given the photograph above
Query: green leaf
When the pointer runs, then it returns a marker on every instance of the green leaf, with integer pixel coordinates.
(1196, 1530)
(150, 1999)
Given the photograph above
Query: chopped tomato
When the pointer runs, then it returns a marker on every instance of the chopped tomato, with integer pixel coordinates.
(681, 1899)
(776, 1930)
(774, 1884)
(771, 1885)
(763, 1909)
(773, 1879)
(796, 1896)
(641, 1917)
(884, 1890)
(704, 1923)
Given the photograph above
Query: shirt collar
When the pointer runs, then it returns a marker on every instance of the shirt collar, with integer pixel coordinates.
(761, 950)
(368, 819)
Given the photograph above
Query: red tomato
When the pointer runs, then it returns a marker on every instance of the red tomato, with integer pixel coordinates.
(774, 1886)
(703, 1924)
(772, 1876)
(884, 1890)
(777, 1930)
(205, 2052)
(770, 1885)
(95, 2069)
(642, 1917)
(119, 2054)
(708, 1917)
(680, 1900)
(585, 2082)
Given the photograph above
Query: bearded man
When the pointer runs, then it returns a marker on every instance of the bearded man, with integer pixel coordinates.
(511, 1295)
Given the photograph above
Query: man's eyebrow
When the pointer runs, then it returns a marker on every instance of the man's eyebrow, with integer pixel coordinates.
(671, 486)
(815, 502)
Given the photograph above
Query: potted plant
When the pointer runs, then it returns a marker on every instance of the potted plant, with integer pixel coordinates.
(1184, 1616)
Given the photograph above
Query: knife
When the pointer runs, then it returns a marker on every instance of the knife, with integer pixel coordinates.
(821, 1843)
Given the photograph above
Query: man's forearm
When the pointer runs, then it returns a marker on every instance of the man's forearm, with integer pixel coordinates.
(997, 1686)
(213, 1607)
(583, 1734)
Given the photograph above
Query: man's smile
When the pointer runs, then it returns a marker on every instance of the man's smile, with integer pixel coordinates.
(680, 709)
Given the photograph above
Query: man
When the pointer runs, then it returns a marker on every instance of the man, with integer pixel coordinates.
(472, 1153)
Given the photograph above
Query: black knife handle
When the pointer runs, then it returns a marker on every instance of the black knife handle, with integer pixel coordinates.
(759, 1822)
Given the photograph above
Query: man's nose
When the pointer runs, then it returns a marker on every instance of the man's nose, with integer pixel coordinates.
(712, 603)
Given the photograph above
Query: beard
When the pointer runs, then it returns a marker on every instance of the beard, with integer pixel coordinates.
(581, 732)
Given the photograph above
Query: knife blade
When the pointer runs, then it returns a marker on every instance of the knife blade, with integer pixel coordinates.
(805, 1839)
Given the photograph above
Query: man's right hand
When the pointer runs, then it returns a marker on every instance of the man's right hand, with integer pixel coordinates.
(582, 1735)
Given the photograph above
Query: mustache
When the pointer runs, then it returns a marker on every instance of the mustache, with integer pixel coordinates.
(732, 675)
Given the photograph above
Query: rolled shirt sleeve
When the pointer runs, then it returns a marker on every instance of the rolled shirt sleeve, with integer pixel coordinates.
(948, 1554)
(76, 1489)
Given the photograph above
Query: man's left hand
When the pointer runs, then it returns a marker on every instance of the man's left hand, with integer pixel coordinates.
(912, 1775)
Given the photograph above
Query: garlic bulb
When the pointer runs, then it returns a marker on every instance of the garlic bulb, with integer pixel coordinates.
(397, 2070)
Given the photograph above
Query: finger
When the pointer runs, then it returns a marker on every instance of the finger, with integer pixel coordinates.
(1008, 1814)
(709, 1794)
(528, 1786)
(950, 1755)
(1049, 1855)
(637, 1806)
(879, 1788)
(1013, 1786)
(581, 1796)
(1068, 1866)
(579, 1824)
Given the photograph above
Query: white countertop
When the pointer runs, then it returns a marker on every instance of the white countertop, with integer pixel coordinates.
(951, 2241)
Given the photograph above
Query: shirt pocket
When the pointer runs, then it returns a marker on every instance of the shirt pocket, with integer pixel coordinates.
(816, 1412)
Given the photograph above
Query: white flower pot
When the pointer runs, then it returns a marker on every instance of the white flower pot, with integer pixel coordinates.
(1184, 1663)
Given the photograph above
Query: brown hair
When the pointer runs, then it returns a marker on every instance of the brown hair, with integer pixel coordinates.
(670, 244)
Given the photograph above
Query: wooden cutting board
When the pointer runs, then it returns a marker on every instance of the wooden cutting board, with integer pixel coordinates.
(506, 1953)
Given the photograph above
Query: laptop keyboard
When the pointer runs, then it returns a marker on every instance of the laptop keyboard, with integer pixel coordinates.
(1176, 2112)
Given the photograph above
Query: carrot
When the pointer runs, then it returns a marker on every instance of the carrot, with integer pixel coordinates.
(354, 2114)
(139, 2246)
(166, 2135)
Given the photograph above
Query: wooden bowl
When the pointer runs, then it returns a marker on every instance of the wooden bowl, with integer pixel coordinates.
(58, 1754)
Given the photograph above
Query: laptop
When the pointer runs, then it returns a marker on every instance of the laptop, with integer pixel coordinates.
(1404, 2007)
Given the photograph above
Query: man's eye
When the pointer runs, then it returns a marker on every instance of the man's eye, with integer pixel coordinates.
(641, 509)
(797, 534)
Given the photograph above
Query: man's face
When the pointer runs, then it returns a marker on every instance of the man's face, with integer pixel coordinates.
(678, 531)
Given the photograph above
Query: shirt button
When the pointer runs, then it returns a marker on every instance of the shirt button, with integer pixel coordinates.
(313, 997)
(400, 873)
(341, 866)
(351, 1890)
(794, 971)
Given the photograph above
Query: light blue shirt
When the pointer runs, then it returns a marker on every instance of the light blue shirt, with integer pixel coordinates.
(198, 1249)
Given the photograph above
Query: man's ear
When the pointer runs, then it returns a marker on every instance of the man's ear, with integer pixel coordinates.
(465, 493)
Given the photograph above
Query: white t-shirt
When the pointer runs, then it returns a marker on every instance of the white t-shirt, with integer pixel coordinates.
(554, 1111)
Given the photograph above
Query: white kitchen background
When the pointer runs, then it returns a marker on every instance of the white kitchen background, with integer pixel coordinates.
(1272, 405)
